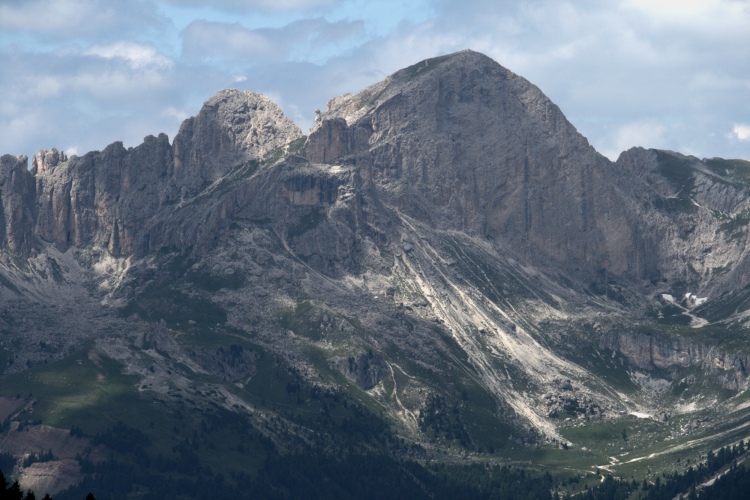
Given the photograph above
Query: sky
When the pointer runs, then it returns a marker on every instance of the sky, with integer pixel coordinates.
(80, 74)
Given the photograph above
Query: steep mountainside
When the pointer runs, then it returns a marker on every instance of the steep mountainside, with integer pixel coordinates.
(465, 144)
(444, 259)
(109, 199)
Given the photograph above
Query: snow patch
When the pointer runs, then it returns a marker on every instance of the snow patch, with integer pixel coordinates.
(693, 300)
(638, 414)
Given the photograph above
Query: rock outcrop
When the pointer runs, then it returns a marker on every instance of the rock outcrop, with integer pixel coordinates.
(695, 210)
(465, 144)
(652, 351)
(111, 198)
(365, 370)
(104, 198)
(17, 207)
(234, 363)
(232, 128)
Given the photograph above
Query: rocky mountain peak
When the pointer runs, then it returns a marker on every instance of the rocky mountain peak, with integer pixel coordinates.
(233, 127)
(43, 162)
(457, 141)
(468, 145)
(352, 107)
(111, 198)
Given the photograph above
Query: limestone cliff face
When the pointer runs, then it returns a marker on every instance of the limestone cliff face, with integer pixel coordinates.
(104, 198)
(651, 351)
(233, 127)
(695, 210)
(116, 198)
(457, 142)
(365, 370)
(322, 213)
(16, 205)
(466, 144)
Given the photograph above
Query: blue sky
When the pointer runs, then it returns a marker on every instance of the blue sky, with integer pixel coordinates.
(80, 74)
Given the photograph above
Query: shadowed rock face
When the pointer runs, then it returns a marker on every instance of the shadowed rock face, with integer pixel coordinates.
(103, 197)
(16, 206)
(111, 198)
(468, 145)
(365, 370)
(649, 352)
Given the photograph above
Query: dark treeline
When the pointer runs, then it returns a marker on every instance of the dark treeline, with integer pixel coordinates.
(38, 457)
(313, 476)
(7, 461)
(373, 476)
(353, 454)
(333, 447)
(734, 485)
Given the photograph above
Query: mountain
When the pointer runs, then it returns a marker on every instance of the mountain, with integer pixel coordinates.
(443, 267)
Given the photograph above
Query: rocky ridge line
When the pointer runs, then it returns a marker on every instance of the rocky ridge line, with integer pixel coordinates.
(110, 198)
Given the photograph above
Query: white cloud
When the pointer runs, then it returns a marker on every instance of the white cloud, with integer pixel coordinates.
(44, 15)
(178, 114)
(71, 96)
(137, 55)
(693, 12)
(671, 9)
(647, 134)
(624, 72)
(15, 131)
(708, 80)
(251, 5)
(75, 19)
(741, 131)
(306, 39)
(204, 39)
(113, 72)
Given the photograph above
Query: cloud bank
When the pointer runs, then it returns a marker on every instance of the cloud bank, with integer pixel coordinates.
(79, 74)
